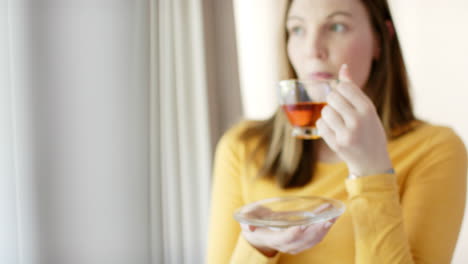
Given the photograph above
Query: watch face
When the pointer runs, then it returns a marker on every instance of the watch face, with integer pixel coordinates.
(352, 176)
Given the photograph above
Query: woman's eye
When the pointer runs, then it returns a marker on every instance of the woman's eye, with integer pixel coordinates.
(296, 30)
(338, 27)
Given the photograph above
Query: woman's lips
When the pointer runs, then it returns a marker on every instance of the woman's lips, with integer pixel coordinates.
(320, 76)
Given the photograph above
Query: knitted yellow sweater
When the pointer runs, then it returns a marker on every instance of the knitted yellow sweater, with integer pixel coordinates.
(411, 217)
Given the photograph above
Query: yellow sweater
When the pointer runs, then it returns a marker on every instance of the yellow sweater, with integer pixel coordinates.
(411, 217)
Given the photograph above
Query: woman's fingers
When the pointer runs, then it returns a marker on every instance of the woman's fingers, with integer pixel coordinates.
(258, 211)
(343, 107)
(354, 95)
(333, 119)
(291, 240)
(344, 75)
(351, 127)
(326, 133)
(312, 235)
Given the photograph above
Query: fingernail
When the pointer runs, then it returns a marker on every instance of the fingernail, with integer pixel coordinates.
(344, 74)
(343, 69)
(328, 224)
(244, 226)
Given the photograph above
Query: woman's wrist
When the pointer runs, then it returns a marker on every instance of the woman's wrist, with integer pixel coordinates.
(267, 252)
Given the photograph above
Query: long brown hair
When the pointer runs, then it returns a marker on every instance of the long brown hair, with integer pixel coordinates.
(291, 161)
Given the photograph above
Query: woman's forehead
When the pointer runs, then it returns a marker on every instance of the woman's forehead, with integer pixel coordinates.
(322, 9)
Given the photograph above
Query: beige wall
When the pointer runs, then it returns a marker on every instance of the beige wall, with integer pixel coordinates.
(434, 38)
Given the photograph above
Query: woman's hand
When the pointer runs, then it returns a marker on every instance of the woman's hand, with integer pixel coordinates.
(292, 240)
(351, 127)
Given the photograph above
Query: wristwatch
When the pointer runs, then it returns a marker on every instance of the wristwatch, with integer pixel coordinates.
(354, 176)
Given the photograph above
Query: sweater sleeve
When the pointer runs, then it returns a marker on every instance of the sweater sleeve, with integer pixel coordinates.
(422, 225)
(226, 244)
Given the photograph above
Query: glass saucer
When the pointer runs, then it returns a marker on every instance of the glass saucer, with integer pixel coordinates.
(284, 212)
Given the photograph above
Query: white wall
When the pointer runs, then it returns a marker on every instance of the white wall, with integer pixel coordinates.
(256, 44)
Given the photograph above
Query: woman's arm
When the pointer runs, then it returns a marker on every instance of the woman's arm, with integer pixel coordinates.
(423, 226)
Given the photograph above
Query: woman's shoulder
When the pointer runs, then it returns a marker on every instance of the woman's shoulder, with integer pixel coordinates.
(236, 134)
(429, 135)
(436, 132)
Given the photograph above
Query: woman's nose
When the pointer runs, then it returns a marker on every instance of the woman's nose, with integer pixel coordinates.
(316, 47)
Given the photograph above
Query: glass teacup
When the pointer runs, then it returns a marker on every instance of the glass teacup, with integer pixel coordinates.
(303, 101)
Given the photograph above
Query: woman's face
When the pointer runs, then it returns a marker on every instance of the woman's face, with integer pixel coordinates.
(324, 34)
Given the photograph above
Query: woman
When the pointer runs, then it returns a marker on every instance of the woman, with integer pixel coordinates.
(403, 180)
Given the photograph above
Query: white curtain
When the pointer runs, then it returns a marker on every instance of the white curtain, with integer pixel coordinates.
(181, 151)
(104, 132)
(18, 210)
(8, 213)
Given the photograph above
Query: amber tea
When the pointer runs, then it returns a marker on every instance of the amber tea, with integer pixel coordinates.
(302, 102)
